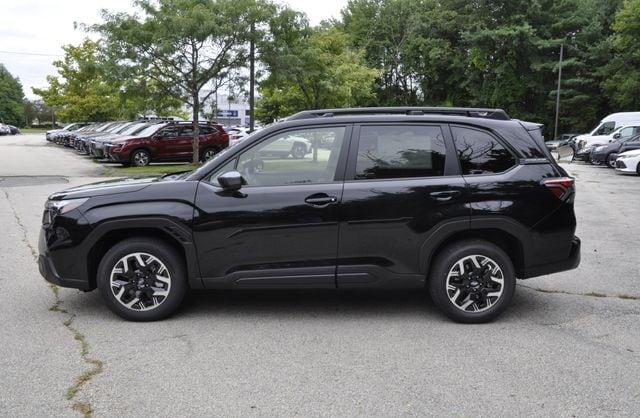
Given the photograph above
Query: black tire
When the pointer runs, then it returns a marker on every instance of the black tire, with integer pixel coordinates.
(208, 154)
(163, 252)
(447, 260)
(638, 169)
(140, 158)
(298, 151)
(608, 162)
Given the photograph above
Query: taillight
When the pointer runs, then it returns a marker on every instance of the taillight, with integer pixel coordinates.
(561, 187)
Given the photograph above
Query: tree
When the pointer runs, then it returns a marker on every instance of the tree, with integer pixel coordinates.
(11, 98)
(181, 45)
(310, 68)
(81, 91)
(622, 85)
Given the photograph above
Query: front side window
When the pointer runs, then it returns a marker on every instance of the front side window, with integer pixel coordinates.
(606, 128)
(170, 132)
(399, 151)
(480, 153)
(295, 157)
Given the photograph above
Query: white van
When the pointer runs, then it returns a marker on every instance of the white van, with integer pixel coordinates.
(602, 133)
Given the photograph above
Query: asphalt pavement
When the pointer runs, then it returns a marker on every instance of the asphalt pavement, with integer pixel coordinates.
(568, 346)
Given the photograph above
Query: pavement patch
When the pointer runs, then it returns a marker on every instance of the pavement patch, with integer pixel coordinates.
(22, 181)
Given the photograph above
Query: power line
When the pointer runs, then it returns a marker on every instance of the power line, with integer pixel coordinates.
(30, 53)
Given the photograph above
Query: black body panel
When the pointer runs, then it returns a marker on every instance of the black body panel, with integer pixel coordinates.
(380, 232)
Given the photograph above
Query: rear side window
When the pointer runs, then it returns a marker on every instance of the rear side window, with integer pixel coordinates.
(480, 153)
(387, 152)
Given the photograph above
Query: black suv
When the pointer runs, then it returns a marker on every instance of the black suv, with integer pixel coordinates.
(460, 201)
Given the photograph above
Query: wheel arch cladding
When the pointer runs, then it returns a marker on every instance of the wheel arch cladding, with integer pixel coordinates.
(110, 233)
(512, 243)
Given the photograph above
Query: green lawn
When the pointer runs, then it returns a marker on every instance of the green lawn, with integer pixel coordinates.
(119, 171)
(33, 130)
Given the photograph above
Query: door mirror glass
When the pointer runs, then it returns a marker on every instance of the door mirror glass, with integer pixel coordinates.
(231, 180)
(616, 136)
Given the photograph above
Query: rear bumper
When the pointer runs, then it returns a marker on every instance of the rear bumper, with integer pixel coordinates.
(569, 263)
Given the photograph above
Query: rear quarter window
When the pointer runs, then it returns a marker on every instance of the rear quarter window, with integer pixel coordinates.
(479, 152)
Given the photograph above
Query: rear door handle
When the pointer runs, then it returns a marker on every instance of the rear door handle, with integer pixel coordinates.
(320, 199)
(445, 195)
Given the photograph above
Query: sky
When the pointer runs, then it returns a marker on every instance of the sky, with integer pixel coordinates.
(32, 32)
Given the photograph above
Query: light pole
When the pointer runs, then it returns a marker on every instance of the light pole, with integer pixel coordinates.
(555, 134)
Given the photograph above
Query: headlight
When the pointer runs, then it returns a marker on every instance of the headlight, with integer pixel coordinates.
(64, 206)
(622, 157)
(599, 148)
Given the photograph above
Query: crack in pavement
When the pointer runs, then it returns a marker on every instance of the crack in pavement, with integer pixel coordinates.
(97, 366)
(588, 294)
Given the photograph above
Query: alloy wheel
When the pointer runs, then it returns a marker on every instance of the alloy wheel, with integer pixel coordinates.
(611, 161)
(140, 281)
(141, 159)
(475, 283)
(298, 151)
(208, 154)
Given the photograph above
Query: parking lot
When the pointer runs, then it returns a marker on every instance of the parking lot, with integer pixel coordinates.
(569, 345)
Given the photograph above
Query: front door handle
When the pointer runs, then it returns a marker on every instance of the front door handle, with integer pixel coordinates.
(320, 199)
(445, 195)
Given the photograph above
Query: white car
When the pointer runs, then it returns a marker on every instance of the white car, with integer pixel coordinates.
(602, 134)
(4, 129)
(629, 162)
(237, 134)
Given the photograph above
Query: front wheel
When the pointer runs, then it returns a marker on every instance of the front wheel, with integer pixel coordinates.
(472, 281)
(140, 158)
(142, 279)
(610, 160)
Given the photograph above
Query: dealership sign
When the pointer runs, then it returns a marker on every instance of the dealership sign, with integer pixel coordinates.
(227, 113)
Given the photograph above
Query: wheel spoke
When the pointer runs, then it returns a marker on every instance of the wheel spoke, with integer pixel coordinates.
(143, 274)
(475, 283)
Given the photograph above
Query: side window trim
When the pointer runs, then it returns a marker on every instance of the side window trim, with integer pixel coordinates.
(497, 138)
(451, 168)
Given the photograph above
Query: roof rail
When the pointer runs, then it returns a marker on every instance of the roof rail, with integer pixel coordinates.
(497, 114)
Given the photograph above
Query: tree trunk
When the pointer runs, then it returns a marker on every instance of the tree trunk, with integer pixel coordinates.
(196, 129)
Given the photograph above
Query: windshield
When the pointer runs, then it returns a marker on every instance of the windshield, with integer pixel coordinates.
(150, 130)
(136, 128)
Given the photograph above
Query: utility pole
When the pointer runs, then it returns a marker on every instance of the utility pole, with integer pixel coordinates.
(555, 134)
(252, 77)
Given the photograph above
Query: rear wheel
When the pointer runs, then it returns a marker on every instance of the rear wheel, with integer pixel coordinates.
(610, 160)
(140, 158)
(298, 151)
(142, 279)
(472, 281)
(208, 154)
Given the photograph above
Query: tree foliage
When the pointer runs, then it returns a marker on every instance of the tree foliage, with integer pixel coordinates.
(11, 98)
(181, 45)
(499, 53)
(622, 82)
(310, 68)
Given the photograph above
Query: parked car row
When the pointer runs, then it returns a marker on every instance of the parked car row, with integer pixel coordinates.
(8, 129)
(614, 143)
(141, 142)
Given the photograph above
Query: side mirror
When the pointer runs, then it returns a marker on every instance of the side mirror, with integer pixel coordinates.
(616, 136)
(231, 180)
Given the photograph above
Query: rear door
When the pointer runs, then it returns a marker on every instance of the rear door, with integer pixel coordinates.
(402, 182)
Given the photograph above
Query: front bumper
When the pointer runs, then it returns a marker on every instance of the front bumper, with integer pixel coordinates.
(49, 272)
(598, 158)
(570, 263)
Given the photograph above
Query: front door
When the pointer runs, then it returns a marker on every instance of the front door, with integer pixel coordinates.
(281, 228)
(402, 184)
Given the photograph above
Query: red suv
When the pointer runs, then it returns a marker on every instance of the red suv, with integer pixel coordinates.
(167, 142)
